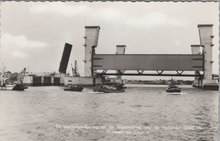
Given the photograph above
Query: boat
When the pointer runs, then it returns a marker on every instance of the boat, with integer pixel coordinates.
(14, 87)
(5, 84)
(73, 88)
(6, 87)
(109, 89)
(19, 87)
(172, 88)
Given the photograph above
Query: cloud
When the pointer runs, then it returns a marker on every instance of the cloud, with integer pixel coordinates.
(19, 46)
(59, 8)
(20, 42)
(109, 14)
(18, 54)
(156, 19)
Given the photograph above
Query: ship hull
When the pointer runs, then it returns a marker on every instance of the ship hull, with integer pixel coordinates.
(7, 87)
(106, 89)
(82, 81)
(74, 88)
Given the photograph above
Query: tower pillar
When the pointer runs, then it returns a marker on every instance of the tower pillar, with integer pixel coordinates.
(196, 49)
(120, 49)
(91, 41)
(205, 34)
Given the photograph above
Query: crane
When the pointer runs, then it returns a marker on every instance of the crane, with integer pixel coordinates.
(21, 76)
(75, 70)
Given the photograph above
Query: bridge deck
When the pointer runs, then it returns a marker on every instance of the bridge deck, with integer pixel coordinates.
(165, 62)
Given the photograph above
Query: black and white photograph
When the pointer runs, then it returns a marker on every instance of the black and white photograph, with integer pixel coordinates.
(109, 71)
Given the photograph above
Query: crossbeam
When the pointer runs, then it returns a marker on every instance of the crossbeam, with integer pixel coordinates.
(138, 74)
(151, 62)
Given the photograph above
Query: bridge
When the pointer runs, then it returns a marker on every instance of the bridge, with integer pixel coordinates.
(199, 63)
(140, 63)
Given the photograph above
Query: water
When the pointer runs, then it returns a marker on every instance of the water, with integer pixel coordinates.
(142, 113)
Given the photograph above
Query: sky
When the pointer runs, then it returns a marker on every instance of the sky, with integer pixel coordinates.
(33, 34)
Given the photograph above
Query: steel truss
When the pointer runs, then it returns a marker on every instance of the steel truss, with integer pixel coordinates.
(141, 73)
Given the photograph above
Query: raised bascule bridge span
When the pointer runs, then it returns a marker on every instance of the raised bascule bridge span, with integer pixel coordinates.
(199, 63)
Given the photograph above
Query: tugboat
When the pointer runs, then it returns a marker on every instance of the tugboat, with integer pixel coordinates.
(73, 88)
(172, 88)
(19, 86)
(115, 88)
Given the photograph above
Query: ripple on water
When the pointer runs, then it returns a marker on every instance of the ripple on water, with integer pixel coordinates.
(33, 115)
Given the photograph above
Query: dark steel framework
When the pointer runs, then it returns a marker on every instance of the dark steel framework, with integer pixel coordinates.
(149, 74)
(189, 62)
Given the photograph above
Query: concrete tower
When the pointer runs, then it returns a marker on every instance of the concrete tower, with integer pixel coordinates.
(120, 49)
(205, 34)
(196, 49)
(91, 41)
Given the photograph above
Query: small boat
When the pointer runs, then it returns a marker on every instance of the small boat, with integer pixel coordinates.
(6, 87)
(15, 87)
(19, 87)
(5, 84)
(172, 88)
(109, 89)
(73, 88)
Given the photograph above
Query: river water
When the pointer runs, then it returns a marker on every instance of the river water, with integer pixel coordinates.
(142, 113)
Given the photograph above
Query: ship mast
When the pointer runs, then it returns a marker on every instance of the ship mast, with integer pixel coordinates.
(75, 70)
(3, 77)
(21, 76)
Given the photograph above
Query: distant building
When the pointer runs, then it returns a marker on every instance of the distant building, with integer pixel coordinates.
(44, 79)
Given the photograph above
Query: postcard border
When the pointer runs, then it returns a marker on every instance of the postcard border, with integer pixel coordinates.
(159, 1)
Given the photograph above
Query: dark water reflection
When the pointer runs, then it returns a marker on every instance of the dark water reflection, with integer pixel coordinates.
(142, 113)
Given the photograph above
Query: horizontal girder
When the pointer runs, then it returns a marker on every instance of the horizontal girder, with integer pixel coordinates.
(136, 74)
(157, 62)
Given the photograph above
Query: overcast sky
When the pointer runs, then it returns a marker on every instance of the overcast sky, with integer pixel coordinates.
(33, 34)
